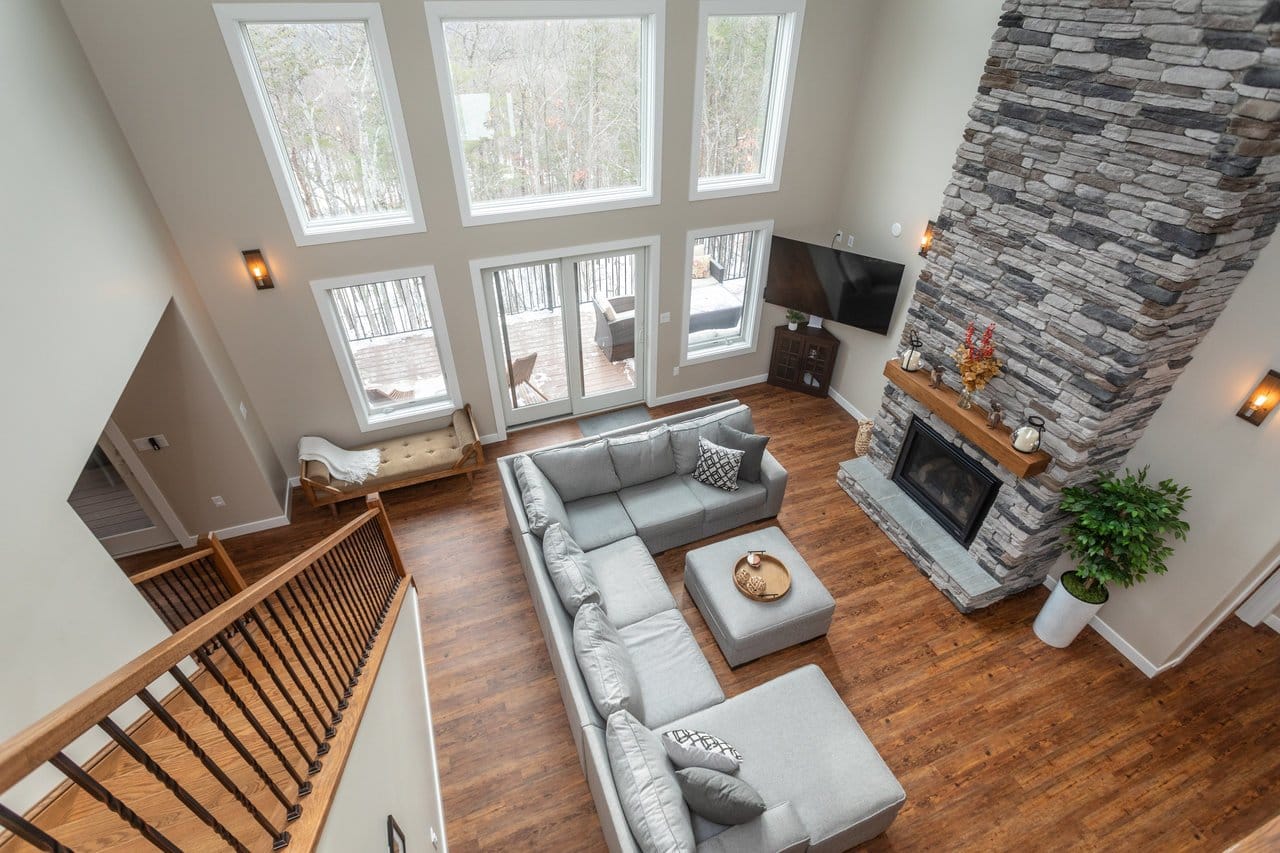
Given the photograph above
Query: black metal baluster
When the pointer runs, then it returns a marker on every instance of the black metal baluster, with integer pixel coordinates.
(181, 608)
(337, 705)
(355, 575)
(304, 787)
(343, 568)
(188, 587)
(99, 792)
(385, 571)
(200, 581)
(315, 575)
(365, 580)
(355, 620)
(321, 746)
(326, 620)
(213, 581)
(141, 756)
(329, 722)
(343, 693)
(152, 595)
(29, 832)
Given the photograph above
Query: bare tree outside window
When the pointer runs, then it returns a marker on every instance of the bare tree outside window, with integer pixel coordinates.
(738, 82)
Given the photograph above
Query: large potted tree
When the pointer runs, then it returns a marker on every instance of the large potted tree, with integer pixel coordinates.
(1119, 535)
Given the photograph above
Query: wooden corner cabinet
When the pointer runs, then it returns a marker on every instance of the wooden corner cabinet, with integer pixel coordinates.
(803, 360)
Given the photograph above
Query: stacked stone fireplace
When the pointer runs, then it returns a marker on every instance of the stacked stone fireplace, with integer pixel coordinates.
(1115, 183)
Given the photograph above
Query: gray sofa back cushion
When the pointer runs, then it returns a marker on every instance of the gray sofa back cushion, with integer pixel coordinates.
(569, 568)
(542, 504)
(684, 436)
(644, 457)
(647, 787)
(606, 664)
(719, 797)
(579, 471)
(751, 445)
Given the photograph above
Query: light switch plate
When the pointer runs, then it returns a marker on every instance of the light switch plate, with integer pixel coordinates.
(664, 317)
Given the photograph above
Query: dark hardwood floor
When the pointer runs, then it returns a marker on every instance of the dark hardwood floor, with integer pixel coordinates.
(1001, 742)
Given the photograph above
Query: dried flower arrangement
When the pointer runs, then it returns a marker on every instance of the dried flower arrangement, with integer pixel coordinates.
(977, 359)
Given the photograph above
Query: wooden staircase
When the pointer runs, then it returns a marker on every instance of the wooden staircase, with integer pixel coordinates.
(262, 697)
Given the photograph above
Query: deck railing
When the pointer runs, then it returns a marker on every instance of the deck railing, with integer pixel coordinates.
(246, 734)
(183, 590)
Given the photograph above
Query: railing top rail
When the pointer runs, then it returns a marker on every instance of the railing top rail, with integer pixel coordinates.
(163, 568)
(36, 744)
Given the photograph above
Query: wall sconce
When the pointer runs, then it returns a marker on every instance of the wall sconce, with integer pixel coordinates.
(926, 239)
(256, 264)
(1262, 399)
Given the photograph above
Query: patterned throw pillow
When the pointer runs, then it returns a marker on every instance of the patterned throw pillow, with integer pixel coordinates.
(718, 466)
(689, 748)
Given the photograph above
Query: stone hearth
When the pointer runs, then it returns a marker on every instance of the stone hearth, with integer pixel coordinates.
(1116, 181)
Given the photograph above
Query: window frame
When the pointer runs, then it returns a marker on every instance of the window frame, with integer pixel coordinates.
(786, 58)
(752, 299)
(231, 17)
(563, 204)
(368, 419)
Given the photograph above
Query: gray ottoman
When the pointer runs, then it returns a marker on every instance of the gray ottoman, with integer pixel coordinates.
(746, 629)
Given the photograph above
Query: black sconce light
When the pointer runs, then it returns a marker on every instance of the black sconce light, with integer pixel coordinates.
(926, 239)
(1262, 399)
(256, 264)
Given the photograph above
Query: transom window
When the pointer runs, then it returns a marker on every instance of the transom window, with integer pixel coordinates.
(746, 63)
(319, 85)
(723, 292)
(548, 110)
(387, 332)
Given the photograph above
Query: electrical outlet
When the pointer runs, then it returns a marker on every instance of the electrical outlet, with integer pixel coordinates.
(151, 442)
(218, 501)
(675, 371)
(848, 241)
(664, 317)
(244, 411)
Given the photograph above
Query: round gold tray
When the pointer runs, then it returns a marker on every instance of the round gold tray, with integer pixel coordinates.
(777, 580)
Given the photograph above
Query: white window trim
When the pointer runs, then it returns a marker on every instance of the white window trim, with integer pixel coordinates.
(230, 17)
(775, 133)
(370, 421)
(649, 191)
(752, 299)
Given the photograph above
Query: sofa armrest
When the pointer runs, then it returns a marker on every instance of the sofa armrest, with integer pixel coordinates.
(778, 830)
(774, 479)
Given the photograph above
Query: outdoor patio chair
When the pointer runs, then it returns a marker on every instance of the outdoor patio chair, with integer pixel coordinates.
(522, 374)
(616, 326)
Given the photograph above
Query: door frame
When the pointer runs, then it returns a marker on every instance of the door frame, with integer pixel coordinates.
(646, 322)
(112, 433)
(1263, 600)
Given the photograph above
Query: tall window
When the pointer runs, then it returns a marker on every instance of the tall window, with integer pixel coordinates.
(723, 290)
(318, 82)
(746, 63)
(551, 114)
(388, 335)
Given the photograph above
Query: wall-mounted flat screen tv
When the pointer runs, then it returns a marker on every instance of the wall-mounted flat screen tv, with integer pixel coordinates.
(841, 286)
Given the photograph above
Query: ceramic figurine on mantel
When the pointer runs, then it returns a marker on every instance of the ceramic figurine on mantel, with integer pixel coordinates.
(977, 362)
(935, 377)
(995, 417)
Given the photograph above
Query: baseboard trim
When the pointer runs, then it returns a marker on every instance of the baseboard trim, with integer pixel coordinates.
(1120, 644)
(252, 527)
(846, 405)
(1272, 622)
(491, 438)
(731, 385)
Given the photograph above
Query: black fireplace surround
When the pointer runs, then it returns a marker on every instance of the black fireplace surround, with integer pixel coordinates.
(947, 484)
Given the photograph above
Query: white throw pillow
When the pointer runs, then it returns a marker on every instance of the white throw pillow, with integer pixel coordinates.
(690, 748)
(718, 466)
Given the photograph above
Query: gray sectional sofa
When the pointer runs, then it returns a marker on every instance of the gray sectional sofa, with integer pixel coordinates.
(623, 497)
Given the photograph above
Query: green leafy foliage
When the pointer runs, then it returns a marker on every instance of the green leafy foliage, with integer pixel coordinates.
(794, 316)
(1121, 527)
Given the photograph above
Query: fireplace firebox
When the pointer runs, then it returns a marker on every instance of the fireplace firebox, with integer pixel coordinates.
(951, 487)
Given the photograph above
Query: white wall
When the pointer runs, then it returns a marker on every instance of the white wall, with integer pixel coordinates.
(920, 77)
(392, 766)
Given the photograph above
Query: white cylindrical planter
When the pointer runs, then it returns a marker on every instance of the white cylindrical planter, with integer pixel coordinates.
(1063, 617)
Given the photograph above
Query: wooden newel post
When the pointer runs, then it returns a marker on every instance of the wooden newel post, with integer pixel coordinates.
(222, 562)
(374, 501)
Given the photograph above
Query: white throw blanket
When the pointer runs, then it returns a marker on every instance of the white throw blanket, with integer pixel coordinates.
(353, 466)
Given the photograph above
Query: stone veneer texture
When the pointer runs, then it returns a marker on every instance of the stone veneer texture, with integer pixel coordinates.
(1116, 180)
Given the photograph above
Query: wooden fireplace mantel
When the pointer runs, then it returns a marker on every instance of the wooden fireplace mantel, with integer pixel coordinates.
(971, 423)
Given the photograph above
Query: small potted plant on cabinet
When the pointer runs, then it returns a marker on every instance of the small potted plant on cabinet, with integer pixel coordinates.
(1118, 535)
(795, 318)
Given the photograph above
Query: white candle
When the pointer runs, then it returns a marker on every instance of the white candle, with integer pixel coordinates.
(1025, 439)
(911, 361)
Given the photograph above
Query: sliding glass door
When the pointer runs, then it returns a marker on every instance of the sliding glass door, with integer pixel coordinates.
(567, 333)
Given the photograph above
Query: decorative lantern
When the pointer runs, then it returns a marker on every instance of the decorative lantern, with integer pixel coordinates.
(1026, 438)
(911, 355)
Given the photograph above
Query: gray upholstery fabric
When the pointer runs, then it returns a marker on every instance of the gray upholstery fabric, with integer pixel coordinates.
(774, 479)
(684, 446)
(778, 830)
(579, 471)
(718, 796)
(687, 748)
(718, 466)
(746, 629)
(630, 585)
(644, 457)
(752, 447)
(604, 793)
(647, 787)
(685, 435)
(598, 520)
(606, 664)
(569, 568)
(829, 771)
(663, 508)
(717, 503)
(673, 676)
(542, 502)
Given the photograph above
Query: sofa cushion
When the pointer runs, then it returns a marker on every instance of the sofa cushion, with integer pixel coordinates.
(778, 830)
(717, 503)
(674, 676)
(687, 748)
(542, 503)
(829, 771)
(718, 796)
(631, 587)
(579, 471)
(685, 435)
(661, 508)
(642, 457)
(569, 568)
(598, 520)
(647, 787)
(717, 466)
(606, 665)
(751, 445)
